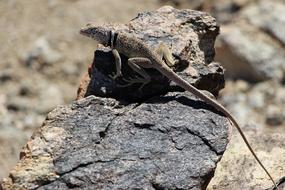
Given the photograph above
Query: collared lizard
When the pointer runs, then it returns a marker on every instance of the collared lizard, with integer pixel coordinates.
(141, 56)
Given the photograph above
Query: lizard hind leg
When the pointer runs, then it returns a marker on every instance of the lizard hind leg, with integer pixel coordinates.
(137, 64)
(164, 52)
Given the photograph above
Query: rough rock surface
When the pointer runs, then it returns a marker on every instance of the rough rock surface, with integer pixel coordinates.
(252, 45)
(23, 81)
(170, 142)
(238, 169)
(190, 35)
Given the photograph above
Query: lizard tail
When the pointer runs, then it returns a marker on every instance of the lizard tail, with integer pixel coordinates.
(188, 87)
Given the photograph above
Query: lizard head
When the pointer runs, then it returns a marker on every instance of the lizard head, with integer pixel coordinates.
(99, 33)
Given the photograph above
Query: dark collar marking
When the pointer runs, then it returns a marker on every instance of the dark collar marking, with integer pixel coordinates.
(110, 39)
(115, 39)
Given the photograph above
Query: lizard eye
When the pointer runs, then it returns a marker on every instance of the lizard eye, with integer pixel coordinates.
(93, 30)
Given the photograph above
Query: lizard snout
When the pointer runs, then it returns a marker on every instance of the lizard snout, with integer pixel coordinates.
(87, 30)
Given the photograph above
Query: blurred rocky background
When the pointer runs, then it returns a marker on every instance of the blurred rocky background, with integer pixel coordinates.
(43, 58)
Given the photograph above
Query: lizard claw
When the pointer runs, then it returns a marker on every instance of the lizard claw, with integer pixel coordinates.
(114, 75)
(134, 80)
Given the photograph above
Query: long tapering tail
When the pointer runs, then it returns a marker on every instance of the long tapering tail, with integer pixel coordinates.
(165, 70)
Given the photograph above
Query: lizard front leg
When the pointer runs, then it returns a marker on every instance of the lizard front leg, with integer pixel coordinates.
(137, 64)
(164, 52)
(118, 63)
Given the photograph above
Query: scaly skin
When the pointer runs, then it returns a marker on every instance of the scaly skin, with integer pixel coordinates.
(141, 56)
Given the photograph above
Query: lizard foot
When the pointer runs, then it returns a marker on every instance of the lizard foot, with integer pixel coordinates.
(132, 81)
(114, 75)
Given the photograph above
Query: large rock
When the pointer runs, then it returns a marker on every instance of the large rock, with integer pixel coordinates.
(170, 142)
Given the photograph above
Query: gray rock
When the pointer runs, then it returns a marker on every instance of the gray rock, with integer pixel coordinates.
(40, 54)
(6, 75)
(224, 11)
(252, 44)
(50, 97)
(262, 103)
(10, 138)
(256, 99)
(269, 16)
(274, 115)
(191, 4)
(170, 142)
(253, 60)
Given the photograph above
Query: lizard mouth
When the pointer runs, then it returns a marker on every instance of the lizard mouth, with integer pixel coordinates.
(83, 31)
(86, 30)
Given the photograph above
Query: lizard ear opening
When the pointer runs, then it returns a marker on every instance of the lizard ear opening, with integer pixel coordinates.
(103, 36)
